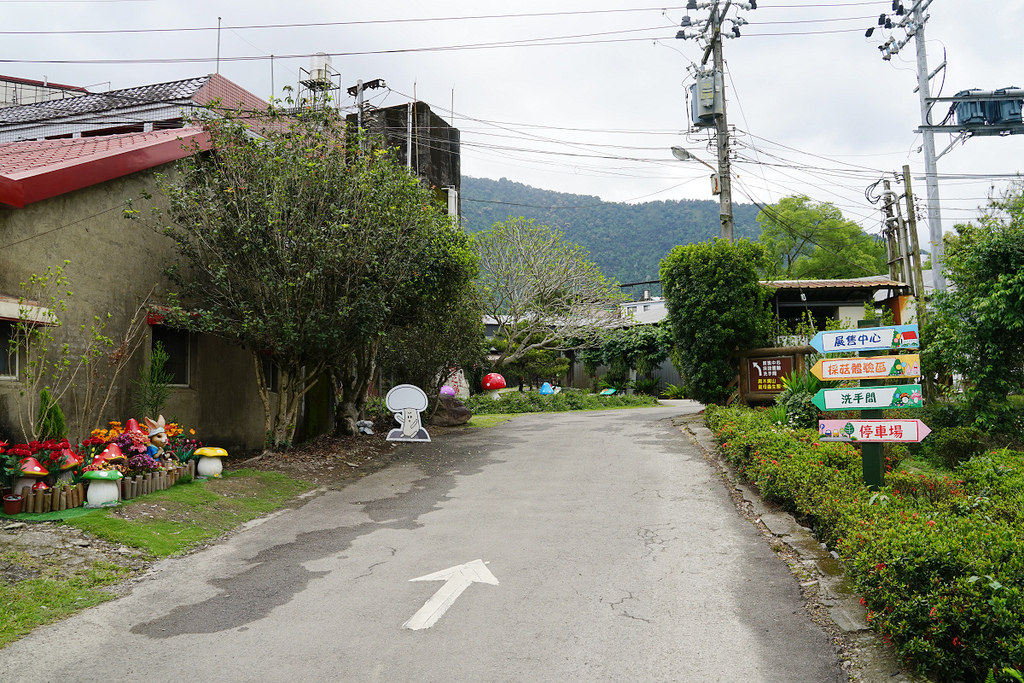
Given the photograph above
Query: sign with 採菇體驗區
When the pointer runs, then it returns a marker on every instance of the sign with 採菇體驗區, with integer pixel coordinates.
(869, 398)
(867, 339)
(879, 367)
(878, 431)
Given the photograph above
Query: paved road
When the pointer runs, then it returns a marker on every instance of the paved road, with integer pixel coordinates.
(618, 553)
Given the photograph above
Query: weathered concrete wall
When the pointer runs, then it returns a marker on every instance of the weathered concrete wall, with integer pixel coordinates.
(114, 264)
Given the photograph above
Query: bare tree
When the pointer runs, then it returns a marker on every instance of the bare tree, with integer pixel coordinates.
(542, 291)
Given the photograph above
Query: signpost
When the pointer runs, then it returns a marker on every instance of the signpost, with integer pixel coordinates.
(765, 374)
(867, 339)
(872, 395)
(873, 431)
(861, 398)
(878, 367)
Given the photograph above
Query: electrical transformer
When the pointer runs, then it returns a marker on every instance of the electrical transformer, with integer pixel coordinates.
(706, 98)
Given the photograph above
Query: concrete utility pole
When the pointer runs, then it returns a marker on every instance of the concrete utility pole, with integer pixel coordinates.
(931, 172)
(912, 23)
(722, 129)
(710, 90)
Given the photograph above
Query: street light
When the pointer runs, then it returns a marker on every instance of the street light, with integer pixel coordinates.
(716, 188)
(684, 155)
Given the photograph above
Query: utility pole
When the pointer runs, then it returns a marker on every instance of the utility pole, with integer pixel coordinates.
(931, 173)
(722, 129)
(912, 23)
(710, 88)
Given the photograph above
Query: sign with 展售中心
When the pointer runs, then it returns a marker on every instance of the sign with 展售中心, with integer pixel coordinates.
(867, 339)
(878, 367)
(869, 398)
(877, 431)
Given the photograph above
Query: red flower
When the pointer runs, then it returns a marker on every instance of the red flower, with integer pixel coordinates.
(931, 522)
(880, 566)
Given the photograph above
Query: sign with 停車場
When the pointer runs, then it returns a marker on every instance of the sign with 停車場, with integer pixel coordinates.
(876, 431)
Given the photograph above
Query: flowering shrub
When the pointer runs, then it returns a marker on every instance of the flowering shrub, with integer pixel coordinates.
(939, 561)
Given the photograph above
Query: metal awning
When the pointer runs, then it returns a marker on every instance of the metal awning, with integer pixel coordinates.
(13, 309)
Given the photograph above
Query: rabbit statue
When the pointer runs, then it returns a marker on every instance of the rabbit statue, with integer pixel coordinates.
(157, 438)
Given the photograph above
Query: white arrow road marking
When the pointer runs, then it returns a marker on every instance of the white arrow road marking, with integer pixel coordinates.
(457, 579)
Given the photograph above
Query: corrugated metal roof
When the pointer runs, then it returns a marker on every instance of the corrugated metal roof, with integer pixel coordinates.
(173, 91)
(873, 281)
(34, 170)
(19, 159)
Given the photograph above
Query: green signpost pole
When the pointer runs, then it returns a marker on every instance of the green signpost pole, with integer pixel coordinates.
(872, 459)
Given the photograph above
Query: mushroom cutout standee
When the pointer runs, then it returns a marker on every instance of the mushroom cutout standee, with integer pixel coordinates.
(209, 464)
(447, 391)
(545, 389)
(31, 472)
(492, 382)
(407, 401)
(104, 488)
(69, 460)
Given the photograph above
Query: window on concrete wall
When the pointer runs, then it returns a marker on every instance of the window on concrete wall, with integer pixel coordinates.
(8, 360)
(177, 345)
(270, 376)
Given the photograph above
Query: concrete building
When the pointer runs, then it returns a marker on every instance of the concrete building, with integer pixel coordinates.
(64, 198)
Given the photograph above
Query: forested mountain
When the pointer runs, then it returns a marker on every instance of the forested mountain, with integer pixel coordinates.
(627, 241)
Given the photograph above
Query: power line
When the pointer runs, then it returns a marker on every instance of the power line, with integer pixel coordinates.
(325, 24)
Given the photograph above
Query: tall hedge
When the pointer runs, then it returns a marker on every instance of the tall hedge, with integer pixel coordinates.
(716, 305)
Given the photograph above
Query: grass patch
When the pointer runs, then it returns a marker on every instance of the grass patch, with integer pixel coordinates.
(51, 594)
(484, 421)
(177, 519)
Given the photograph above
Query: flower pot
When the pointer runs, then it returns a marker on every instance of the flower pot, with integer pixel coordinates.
(12, 504)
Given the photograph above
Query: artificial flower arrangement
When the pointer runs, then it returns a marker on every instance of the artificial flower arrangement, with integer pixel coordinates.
(125, 448)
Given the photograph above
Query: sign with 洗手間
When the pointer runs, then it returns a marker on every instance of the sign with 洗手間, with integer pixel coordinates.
(869, 398)
(867, 339)
(884, 431)
(879, 367)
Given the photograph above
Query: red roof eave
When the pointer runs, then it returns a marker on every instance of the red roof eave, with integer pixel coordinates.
(21, 189)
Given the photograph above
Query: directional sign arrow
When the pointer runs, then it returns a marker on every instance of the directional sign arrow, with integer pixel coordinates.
(873, 431)
(867, 339)
(861, 398)
(457, 579)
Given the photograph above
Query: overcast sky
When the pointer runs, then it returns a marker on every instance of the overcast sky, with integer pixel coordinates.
(592, 95)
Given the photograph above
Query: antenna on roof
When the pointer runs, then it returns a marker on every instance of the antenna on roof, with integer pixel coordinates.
(218, 44)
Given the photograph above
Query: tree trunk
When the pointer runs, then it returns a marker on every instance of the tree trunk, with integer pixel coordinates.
(353, 380)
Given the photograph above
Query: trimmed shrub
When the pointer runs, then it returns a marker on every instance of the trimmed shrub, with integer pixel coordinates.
(939, 560)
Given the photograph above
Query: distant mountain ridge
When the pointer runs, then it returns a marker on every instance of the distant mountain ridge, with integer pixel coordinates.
(627, 241)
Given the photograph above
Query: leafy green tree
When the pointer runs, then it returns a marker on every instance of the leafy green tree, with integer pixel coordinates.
(543, 292)
(307, 247)
(716, 306)
(979, 321)
(449, 335)
(809, 240)
(638, 347)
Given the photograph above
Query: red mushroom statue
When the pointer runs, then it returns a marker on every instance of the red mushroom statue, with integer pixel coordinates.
(492, 382)
(69, 460)
(31, 472)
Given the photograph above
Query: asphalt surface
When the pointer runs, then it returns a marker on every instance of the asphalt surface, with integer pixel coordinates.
(618, 554)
